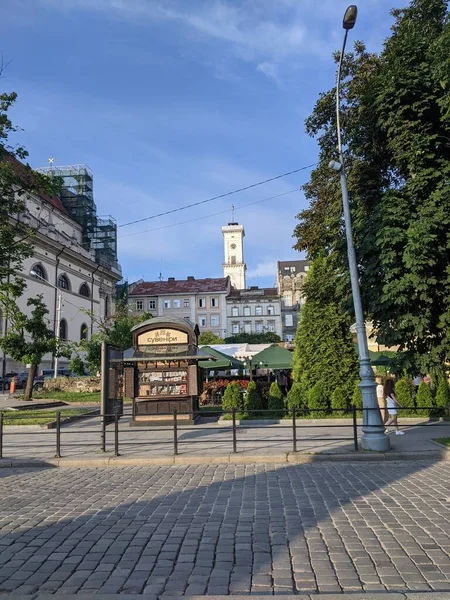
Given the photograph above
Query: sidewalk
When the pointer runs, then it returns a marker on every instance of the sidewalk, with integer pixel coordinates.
(212, 443)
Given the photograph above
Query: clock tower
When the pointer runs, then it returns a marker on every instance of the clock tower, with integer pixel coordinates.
(234, 265)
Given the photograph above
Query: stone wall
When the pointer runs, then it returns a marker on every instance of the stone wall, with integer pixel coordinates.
(73, 384)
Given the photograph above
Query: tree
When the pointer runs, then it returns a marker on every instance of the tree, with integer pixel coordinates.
(253, 338)
(276, 401)
(115, 330)
(339, 402)
(397, 127)
(443, 394)
(295, 398)
(318, 401)
(324, 349)
(232, 397)
(252, 399)
(403, 393)
(29, 339)
(77, 366)
(424, 400)
(208, 338)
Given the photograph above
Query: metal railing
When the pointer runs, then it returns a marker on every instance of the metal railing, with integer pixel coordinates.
(110, 425)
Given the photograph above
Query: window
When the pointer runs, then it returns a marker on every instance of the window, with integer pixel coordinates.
(201, 303)
(38, 271)
(292, 269)
(233, 260)
(270, 310)
(186, 303)
(287, 301)
(202, 321)
(258, 327)
(286, 268)
(235, 328)
(106, 305)
(85, 291)
(84, 332)
(166, 303)
(151, 304)
(214, 320)
(289, 337)
(258, 311)
(63, 329)
(271, 326)
(139, 305)
(247, 327)
(214, 302)
(177, 303)
(247, 312)
(289, 320)
(63, 282)
(235, 311)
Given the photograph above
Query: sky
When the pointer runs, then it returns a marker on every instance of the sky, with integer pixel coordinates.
(171, 102)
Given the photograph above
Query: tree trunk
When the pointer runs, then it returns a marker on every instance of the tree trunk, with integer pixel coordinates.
(29, 387)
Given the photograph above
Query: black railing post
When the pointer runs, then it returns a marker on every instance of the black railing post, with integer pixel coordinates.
(355, 428)
(116, 433)
(233, 413)
(103, 434)
(294, 430)
(58, 434)
(175, 432)
(1, 434)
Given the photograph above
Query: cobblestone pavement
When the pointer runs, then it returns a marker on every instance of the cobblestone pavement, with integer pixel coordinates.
(226, 529)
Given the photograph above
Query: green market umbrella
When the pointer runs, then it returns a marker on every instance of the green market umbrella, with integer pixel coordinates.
(273, 357)
(223, 360)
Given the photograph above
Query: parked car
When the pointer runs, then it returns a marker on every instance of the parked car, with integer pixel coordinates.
(49, 373)
(20, 379)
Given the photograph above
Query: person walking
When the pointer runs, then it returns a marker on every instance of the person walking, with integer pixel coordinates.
(392, 405)
(381, 399)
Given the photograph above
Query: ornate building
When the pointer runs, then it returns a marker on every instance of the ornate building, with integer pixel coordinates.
(291, 275)
(234, 266)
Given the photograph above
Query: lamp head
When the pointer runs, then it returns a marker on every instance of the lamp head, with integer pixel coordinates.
(350, 17)
(33, 273)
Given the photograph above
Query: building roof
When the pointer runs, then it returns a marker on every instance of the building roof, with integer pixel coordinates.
(300, 265)
(26, 173)
(181, 286)
(253, 293)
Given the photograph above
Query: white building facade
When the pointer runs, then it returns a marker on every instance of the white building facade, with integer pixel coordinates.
(87, 285)
(291, 276)
(254, 311)
(202, 301)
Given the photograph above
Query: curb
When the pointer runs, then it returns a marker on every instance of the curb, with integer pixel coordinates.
(232, 459)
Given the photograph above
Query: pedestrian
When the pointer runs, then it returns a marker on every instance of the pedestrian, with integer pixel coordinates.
(381, 399)
(417, 382)
(392, 405)
(427, 379)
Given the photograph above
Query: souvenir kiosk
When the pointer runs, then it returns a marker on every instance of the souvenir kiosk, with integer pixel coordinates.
(161, 371)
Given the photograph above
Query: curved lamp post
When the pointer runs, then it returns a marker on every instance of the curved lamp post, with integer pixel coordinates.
(373, 435)
(58, 318)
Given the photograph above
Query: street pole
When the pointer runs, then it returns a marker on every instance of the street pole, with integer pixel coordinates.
(373, 433)
(58, 324)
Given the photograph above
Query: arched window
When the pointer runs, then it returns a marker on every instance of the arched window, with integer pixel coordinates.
(84, 332)
(63, 282)
(39, 272)
(63, 329)
(85, 291)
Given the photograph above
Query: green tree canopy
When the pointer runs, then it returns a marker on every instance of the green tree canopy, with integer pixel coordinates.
(254, 338)
(208, 338)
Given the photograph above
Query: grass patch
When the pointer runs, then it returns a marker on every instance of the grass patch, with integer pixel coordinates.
(443, 441)
(91, 397)
(39, 417)
(206, 409)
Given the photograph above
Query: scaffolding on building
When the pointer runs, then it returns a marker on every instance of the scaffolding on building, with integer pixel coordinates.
(77, 195)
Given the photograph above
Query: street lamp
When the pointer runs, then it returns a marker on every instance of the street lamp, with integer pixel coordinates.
(58, 317)
(373, 434)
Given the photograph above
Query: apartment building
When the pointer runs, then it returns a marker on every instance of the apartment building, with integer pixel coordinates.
(255, 310)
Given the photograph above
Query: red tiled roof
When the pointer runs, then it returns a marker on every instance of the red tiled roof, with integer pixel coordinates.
(181, 286)
(23, 172)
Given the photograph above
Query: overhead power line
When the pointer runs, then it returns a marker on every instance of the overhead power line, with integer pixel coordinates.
(242, 189)
(222, 212)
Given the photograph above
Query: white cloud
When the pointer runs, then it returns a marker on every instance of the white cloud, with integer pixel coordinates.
(264, 269)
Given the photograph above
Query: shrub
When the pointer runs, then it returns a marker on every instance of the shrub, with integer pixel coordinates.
(424, 400)
(294, 398)
(403, 393)
(252, 399)
(276, 401)
(339, 402)
(232, 397)
(317, 401)
(76, 365)
(443, 394)
(357, 399)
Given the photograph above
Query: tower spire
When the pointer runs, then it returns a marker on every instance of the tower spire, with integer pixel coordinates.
(232, 213)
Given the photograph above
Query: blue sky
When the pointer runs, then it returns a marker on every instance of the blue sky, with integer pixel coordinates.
(174, 101)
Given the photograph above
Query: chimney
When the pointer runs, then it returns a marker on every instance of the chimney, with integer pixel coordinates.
(171, 280)
(191, 278)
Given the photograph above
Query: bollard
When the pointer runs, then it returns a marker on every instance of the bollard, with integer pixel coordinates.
(294, 431)
(355, 428)
(58, 434)
(116, 434)
(175, 433)
(233, 412)
(103, 434)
